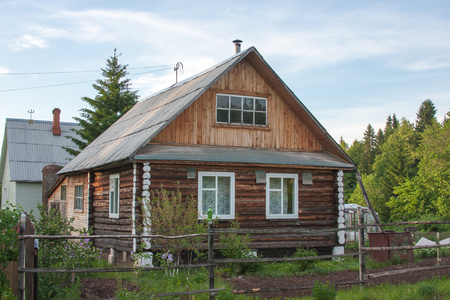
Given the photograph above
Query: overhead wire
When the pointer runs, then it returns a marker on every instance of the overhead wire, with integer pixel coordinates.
(80, 82)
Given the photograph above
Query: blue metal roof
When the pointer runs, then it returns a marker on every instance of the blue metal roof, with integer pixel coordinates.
(32, 145)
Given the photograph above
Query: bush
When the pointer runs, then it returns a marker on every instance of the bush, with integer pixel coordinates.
(236, 246)
(427, 290)
(304, 264)
(61, 253)
(323, 291)
(9, 241)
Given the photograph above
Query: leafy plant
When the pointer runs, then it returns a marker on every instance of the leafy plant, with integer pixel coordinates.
(237, 246)
(173, 215)
(9, 241)
(323, 291)
(304, 264)
(61, 253)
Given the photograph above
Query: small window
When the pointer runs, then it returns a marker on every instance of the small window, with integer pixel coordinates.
(63, 192)
(281, 195)
(216, 190)
(79, 197)
(114, 196)
(242, 110)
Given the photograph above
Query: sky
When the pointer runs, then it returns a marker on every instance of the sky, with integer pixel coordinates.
(351, 63)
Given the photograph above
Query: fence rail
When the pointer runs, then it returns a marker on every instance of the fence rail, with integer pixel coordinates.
(212, 263)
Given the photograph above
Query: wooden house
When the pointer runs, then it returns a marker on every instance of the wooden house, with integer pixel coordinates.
(235, 137)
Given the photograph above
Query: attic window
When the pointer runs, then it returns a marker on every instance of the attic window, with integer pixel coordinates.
(241, 110)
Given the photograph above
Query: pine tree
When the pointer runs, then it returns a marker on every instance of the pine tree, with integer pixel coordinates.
(426, 115)
(114, 98)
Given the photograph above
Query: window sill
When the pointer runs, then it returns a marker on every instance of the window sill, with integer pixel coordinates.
(78, 210)
(281, 219)
(114, 216)
(238, 126)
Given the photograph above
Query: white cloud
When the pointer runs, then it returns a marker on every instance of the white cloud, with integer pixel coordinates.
(4, 70)
(27, 41)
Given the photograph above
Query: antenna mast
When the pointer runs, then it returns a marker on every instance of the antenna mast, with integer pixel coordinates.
(178, 68)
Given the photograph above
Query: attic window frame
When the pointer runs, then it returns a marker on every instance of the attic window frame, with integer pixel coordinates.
(241, 109)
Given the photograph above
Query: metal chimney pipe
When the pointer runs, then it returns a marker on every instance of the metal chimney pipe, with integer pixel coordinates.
(237, 45)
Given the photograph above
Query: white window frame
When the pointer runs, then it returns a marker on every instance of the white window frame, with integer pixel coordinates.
(114, 195)
(242, 110)
(78, 198)
(294, 215)
(202, 214)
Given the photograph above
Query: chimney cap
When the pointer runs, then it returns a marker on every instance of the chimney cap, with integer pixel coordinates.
(237, 45)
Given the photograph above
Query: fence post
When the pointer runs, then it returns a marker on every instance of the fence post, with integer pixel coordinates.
(361, 243)
(438, 248)
(211, 259)
(21, 263)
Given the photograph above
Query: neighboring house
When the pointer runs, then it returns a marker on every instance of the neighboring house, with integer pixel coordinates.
(29, 146)
(236, 138)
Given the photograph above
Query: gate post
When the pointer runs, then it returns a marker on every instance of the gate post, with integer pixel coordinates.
(210, 253)
(362, 256)
(21, 263)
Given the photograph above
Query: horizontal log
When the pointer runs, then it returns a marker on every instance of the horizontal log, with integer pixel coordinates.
(110, 221)
(396, 272)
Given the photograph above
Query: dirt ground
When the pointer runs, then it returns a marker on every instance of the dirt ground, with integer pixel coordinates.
(102, 288)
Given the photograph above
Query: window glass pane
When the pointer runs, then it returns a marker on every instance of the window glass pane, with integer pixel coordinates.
(209, 182)
(288, 196)
(260, 104)
(222, 115)
(223, 203)
(63, 193)
(275, 202)
(275, 183)
(235, 116)
(260, 118)
(248, 104)
(248, 117)
(222, 101)
(208, 198)
(236, 102)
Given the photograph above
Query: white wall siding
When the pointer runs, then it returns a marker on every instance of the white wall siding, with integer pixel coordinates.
(8, 187)
(28, 195)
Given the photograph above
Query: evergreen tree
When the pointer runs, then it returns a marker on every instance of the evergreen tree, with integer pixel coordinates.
(379, 140)
(388, 129)
(395, 122)
(397, 161)
(368, 155)
(426, 115)
(114, 98)
(343, 144)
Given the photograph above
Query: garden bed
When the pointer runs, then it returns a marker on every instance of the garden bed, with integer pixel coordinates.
(101, 288)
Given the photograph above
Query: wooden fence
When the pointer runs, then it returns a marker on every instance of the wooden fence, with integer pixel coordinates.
(212, 262)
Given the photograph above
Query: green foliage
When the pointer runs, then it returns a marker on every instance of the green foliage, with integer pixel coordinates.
(9, 241)
(429, 191)
(302, 252)
(113, 100)
(173, 215)
(323, 291)
(426, 115)
(61, 253)
(225, 295)
(237, 246)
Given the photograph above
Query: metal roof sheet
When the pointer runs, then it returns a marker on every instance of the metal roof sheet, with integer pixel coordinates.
(32, 145)
(141, 123)
(240, 155)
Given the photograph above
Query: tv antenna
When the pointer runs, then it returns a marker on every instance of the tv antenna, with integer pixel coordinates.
(178, 69)
(31, 112)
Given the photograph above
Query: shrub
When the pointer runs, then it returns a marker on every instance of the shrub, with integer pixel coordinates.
(237, 246)
(304, 264)
(427, 290)
(61, 253)
(9, 241)
(323, 291)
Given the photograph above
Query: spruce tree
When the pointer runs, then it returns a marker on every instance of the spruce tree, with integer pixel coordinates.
(426, 115)
(114, 98)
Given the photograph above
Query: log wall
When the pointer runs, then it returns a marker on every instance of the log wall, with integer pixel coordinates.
(318, 203)
(196, 125)
(102, 223)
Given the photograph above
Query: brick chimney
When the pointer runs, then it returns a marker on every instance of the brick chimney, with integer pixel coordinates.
(56, 127)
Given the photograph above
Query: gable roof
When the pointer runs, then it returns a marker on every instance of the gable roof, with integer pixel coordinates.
(32, 145)
(148, 117)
